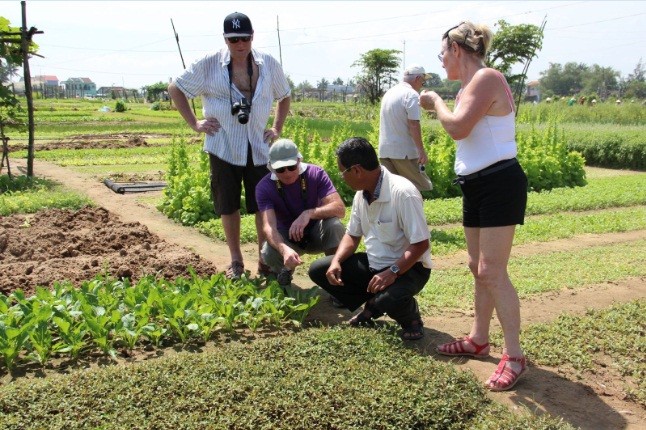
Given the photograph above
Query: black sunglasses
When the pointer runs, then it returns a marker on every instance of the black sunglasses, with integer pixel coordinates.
(282, 169)
(238, 39)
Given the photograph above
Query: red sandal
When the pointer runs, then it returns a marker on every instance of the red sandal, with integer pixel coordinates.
(504, 378)
(456, 348)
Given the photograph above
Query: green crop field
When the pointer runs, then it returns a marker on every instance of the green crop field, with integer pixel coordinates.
(576, 240)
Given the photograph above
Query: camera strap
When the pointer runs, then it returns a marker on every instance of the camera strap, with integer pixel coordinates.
(249, 72)
(281, 191)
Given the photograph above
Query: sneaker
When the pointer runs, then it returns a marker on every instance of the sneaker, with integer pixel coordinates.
(284, 277)
(235, 270)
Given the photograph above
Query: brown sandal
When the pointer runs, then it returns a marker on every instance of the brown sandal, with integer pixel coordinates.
(264, 270)
(234, 270)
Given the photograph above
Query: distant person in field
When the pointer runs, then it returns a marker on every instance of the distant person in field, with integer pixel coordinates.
(494, 189)
(300, 210)
(387, 212)
(400, 134)
(238, 86)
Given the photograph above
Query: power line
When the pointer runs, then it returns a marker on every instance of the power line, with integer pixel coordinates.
(597, 22)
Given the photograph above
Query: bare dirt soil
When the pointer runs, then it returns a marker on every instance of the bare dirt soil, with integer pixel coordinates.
(87, 141)
(130, 236)
(56, 245)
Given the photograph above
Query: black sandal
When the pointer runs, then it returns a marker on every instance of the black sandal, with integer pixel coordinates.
(413, 330)
(366, 318)
(362, 319)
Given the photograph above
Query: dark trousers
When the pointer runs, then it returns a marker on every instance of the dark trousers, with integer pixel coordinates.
(397, 301)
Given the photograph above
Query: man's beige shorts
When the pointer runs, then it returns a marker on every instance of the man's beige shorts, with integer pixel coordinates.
(409, 169)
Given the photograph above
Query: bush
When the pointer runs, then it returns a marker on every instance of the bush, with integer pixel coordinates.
(613, 148)
(157, 106)
(187, 196)
(120, 106)
(602, 113)
(543, 154)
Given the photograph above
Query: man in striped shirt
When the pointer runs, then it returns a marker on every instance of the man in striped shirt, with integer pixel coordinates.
(238, 86)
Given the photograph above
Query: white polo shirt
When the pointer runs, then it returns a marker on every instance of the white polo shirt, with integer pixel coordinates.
(209, 77)
(391, 223)
(398, 105)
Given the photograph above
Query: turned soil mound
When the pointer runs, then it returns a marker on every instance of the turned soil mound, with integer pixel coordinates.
(56, 245)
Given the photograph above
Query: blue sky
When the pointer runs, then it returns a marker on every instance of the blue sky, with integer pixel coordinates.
(132, 43)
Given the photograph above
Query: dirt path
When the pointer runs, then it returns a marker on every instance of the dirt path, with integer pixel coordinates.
(592, 404)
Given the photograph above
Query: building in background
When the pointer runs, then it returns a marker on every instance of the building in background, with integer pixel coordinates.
(79, 88)
(45, 85)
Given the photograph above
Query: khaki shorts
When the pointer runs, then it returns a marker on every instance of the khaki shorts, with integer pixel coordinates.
(409, 169)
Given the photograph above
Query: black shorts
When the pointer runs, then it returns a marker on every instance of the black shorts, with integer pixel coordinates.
(495, 200)
(226, 184)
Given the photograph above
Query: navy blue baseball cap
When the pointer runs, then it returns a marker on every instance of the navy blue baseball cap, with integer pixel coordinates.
(237, 24)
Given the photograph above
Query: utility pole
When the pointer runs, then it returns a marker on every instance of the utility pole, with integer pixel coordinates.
(404, 59)
(182, 58)
(521, 83)
(280, 49)
(25, 41)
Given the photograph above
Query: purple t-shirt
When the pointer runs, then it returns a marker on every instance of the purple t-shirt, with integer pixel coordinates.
(318, 186)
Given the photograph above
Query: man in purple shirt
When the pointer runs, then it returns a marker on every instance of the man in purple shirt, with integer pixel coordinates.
(300, 211)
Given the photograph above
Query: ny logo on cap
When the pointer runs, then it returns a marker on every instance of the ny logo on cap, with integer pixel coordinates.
(235, 23)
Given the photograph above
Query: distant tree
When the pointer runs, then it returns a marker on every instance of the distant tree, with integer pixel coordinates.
(434, 81)
(600, 80)
(337, 81)
(639, 74)
(511, 45)
(635, 84)
(321, 86)
(154, 91)
(292, 86)
(379, 67)
(304, 86)
(563, 80)
(447, 89)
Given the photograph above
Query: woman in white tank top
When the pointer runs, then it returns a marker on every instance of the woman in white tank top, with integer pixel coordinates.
(494, 189)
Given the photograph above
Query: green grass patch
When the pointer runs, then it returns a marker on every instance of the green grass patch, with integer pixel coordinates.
(23, 194)
(543, 228)
(612, 337)
(320, 378)
(110, 157)
(599, 193)
(537, 274)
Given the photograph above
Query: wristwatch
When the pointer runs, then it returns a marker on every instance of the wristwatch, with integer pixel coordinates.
(395, 269)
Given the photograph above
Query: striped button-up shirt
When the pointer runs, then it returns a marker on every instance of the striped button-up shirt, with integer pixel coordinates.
(208, 77)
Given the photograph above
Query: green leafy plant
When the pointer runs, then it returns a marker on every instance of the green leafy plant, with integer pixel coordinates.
(120, 106)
